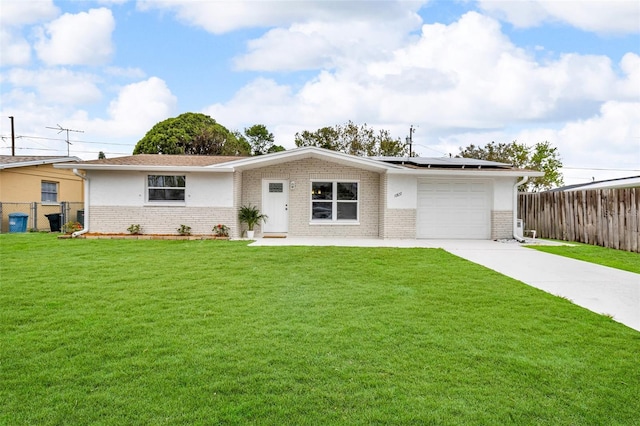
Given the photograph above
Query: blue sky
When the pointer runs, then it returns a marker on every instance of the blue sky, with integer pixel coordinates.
(460, 72)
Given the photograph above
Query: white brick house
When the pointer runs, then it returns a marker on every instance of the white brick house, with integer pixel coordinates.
(305, 192)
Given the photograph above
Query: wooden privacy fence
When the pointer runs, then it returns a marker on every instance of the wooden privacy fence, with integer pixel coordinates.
(604, 217)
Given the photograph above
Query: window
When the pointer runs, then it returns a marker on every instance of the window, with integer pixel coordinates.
(49, 191)
(276, 187)
(334, 201)
(166, 188)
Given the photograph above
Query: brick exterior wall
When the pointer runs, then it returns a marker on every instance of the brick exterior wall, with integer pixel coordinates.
(302, 172)
(501, 224)
(161, 220)
(400, 223)
(395, 223)
(382, 205)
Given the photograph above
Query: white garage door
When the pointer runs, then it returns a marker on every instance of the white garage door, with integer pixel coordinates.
(453, 209)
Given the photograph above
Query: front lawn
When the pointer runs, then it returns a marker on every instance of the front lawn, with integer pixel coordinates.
(619, 259)
(157, 332)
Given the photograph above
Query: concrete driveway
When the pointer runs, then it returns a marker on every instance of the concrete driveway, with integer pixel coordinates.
(598, 288)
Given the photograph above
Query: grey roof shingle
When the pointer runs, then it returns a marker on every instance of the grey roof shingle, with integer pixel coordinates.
(12, 161)
(165, 160)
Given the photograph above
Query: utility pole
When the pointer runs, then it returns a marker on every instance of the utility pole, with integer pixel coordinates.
(13, 138)
(67, 130)
(410, 140)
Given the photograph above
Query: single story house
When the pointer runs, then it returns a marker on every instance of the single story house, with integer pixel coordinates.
(30, 184)
(305, 192)
(624, 182)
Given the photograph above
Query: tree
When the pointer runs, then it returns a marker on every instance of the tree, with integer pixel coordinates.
(191, 133)
(276, 148)
(541, 157)
(353, 139)
(101, 156)
(260, 140)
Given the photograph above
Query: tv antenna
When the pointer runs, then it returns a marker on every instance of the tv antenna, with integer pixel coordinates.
(61, 129)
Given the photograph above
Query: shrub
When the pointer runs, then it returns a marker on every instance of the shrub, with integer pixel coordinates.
(71, 227)
(221, 230)
(184, 230)
(135, 229)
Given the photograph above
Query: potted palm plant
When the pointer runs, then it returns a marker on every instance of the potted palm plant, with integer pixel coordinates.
(251, 216)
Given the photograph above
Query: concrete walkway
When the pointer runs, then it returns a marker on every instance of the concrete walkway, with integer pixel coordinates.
(598, 288)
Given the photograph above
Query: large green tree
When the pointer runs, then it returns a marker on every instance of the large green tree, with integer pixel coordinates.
(541, 157)
(191, 133)
(260, 139)
(353, 139)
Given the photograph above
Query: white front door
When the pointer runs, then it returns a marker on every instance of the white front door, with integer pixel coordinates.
(275, 204)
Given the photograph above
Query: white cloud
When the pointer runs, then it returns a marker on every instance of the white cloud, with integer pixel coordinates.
(58, 86)
(461, 83)
(600, 16)
(14, 49)
(613, 133)
(315, 45)
(604, 146)
(262, 100)
(136, 109)
(630, 86)
(77, 39)
(16, 13)
(133, 73)
(224, 16)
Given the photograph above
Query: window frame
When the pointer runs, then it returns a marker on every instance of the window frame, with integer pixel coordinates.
(149, 187)
(56, 193)
(334, 202)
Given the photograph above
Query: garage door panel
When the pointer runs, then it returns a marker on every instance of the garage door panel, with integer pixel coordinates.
(459, 209)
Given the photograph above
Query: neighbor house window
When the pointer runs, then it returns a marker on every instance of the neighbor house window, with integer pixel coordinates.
(334, 201)
(49, 191)
(166, 188)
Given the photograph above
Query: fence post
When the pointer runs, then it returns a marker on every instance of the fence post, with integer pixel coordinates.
(34, 215)
(1, 217)
(63, 212)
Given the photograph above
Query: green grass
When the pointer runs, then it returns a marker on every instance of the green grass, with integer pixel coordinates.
(619, 259)
(114, 332)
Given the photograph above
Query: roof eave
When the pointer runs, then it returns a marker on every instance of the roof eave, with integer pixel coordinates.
(40, 162)
(467, 172)
(146, 168)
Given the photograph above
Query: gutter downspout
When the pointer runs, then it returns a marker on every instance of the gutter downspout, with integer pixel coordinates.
(86, 204)
(515, 208)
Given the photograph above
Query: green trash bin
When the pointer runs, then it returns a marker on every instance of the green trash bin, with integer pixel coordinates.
(18, 222)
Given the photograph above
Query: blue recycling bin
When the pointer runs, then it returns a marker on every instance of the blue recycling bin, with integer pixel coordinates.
(18, 222)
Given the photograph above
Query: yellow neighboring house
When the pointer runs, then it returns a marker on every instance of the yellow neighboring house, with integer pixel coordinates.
(31, 185)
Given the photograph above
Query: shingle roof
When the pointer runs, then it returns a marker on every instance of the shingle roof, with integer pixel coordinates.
(165, 160)
(10, 161)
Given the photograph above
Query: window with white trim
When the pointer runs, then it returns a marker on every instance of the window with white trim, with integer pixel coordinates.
(49, 192)
(162, 188)
(334, 201)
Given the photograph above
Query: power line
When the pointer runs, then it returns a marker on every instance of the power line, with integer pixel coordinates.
(601, 169)
(58, 150)
(75, 140)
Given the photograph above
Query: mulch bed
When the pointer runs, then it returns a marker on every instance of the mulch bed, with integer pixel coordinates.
(97, 236)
